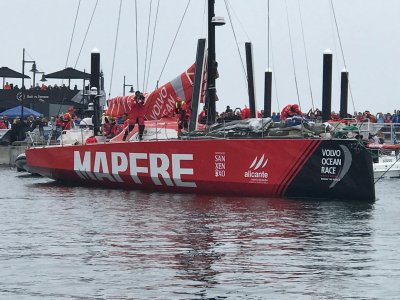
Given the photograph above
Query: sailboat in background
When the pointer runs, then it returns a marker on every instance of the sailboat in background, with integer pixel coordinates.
(220, 160)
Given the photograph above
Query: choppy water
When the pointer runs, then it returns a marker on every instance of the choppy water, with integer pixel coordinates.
(76, 243)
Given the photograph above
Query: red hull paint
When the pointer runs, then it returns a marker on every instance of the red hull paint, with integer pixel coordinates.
(246, 167)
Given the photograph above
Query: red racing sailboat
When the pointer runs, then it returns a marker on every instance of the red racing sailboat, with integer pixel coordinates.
(240, 159)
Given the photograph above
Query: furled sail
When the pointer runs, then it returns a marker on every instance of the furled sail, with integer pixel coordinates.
(159, 103)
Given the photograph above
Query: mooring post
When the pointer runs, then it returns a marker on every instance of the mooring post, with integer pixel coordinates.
(344, 93)
(250, 80)
(327, 86)
(267, 93)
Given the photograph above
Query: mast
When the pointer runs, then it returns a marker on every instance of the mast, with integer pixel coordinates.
(211, 65)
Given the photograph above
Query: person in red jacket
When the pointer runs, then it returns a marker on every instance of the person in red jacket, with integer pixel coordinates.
(2, 124)
(136, 115)
(290, 110)
(245, 113)
(183, 111)
(66, 121)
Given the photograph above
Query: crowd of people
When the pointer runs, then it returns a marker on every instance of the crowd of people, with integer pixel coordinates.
(19, 127)
(314, 115)
(39, 87)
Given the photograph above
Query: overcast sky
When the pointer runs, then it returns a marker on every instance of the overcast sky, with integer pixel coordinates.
(369, 30)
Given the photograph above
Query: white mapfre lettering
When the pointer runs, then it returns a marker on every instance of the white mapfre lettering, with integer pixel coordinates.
(177, 171)
(82, 168)
(161, 168)
(134, 169)
(119, 163)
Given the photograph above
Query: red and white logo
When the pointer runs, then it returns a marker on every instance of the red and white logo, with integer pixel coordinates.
(256, 169)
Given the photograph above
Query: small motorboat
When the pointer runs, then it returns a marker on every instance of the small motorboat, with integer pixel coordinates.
(387, 166)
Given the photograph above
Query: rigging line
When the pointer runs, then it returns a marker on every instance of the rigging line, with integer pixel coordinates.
(147, 45)
(137, 46)
(204, 17)
(291, 48)
(240, 23)
(115, 48)
(73, 32)
(333, 37)
(87, 31)
(173, 42)
(274, 77)
(341, 49)
(306, 55)
(152, 44)
(237, 44)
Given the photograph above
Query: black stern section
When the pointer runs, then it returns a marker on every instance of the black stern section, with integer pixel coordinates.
(338, 169)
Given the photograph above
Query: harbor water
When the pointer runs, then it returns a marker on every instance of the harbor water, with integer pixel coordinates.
(62, 242)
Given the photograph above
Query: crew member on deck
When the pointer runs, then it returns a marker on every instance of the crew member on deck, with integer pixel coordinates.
(136, 115)
(183, 112)
(290, 110)
(66, 121)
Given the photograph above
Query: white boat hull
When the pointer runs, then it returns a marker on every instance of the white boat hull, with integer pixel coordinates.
(388, 167)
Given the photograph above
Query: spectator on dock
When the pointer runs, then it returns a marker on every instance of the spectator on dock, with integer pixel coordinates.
(380, 118)
(2, 125)
(396, 118)
(6, 122)
(17, 130)
(388, 118)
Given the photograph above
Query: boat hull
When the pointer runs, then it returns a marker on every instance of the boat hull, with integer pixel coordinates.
(293, 168)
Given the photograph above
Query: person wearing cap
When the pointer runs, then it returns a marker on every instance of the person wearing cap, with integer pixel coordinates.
(183, 112)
